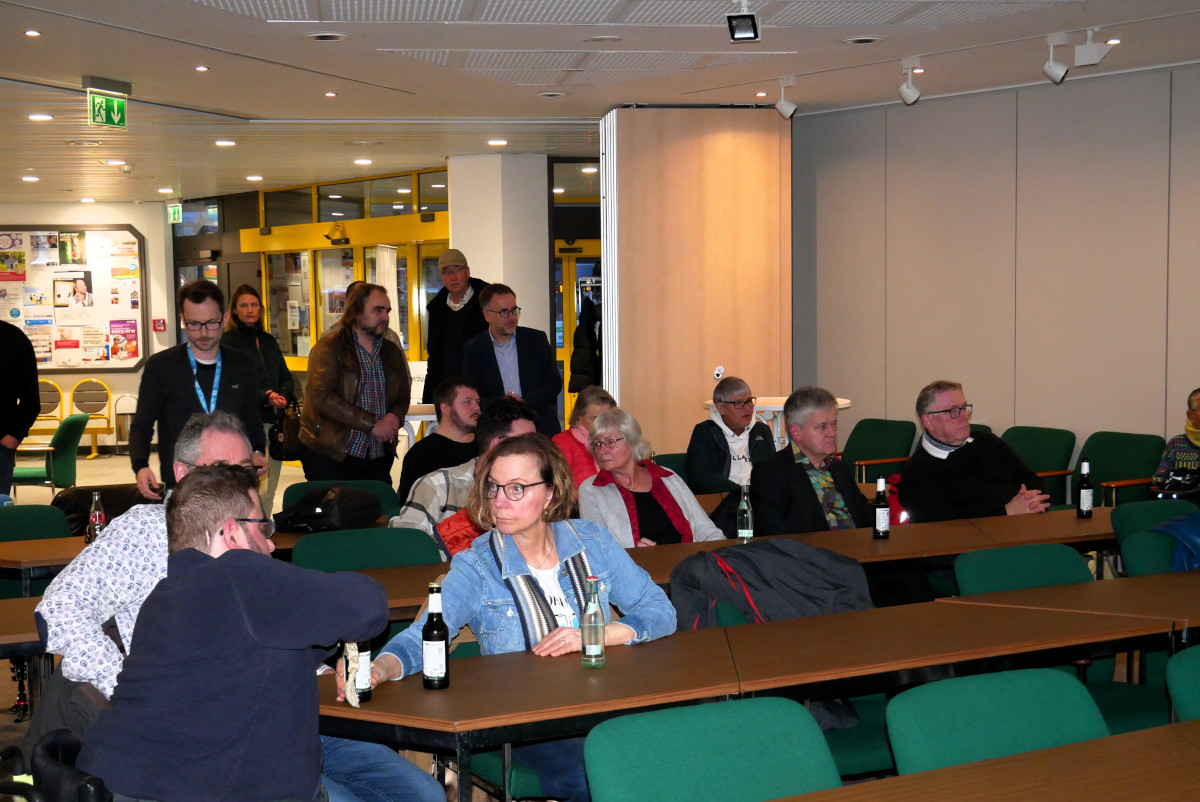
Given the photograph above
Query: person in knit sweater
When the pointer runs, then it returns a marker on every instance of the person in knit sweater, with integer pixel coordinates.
(1183, 450)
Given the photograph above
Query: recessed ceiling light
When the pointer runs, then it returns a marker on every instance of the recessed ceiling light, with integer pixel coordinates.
(603, 39)
(362, 162)
(497, 142)
(339, 214)
(32, 32)
(30, 178)
(331, 94)
(760, 94)
(1113, 42)
(551, 94)
(424, 207)
(39, 118)
(165, 191)
(590, 169)
(404, 190)
(87, 200)
(84, 143)
(201, 68)
(862, 40)
(327, 36)
(918, 70)
(397, 205)
(114, 162)
(225, 143)
(438, 186)
(558, 190)
(334, 197)
(254, 178)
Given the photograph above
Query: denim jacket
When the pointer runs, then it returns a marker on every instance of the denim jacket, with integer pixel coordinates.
(475, 593)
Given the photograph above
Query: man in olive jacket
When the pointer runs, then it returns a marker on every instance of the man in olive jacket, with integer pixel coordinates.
(357, 394)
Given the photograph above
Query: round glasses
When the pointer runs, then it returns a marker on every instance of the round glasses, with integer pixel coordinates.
(514, 491)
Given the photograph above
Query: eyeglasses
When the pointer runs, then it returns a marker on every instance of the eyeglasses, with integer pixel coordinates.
(514, 490)
(749, 402)
(955, 412)
(609, 444)
(266, 525)
(196, 325)
(507, 313)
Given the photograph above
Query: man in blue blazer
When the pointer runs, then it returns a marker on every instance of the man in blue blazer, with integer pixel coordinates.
(508, 359)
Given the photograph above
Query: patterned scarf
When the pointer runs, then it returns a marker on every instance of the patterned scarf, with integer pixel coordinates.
(537, 619)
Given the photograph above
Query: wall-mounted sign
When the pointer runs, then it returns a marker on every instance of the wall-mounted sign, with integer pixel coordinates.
(174, 212)
(105, 109)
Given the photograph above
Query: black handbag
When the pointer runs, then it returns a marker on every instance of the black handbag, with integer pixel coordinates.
(283, 440)
(332, 507)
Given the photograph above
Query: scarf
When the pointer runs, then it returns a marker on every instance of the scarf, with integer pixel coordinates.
(537, 619)
(1193, 434)
(660, 493)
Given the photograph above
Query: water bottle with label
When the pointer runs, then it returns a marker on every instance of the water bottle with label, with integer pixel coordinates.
(592, 631)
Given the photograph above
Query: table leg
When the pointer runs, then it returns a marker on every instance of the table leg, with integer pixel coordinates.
(26, 582)
(507, 767)
(462, 748)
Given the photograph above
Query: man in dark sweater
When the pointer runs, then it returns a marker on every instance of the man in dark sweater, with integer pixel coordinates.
(457, 405)
(453, 317)
(19, 402)
(955, 474)
(219, 699)
(196, 376)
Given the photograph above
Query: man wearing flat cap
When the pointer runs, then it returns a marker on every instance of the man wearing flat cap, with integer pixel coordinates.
(454, 317)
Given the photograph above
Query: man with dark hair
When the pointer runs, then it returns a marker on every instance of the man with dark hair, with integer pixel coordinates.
(19, 402)
(804, 488)
(457, 404)
(957, 474)
(357, 394)
(196, 376)
(241, 688)
(439, 495)
(1183, 450)
(513, 360)
(453, 317)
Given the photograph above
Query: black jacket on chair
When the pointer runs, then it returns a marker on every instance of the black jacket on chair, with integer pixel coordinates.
(784, 500)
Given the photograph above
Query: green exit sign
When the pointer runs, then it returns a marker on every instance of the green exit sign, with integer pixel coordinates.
(106, 110)
(174, 212)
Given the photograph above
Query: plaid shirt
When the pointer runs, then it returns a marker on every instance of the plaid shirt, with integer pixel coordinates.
(372, 396)
(435, 497)
(832, 503)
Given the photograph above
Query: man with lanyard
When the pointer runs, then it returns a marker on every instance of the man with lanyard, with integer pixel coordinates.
(357, 394)
(196, 376)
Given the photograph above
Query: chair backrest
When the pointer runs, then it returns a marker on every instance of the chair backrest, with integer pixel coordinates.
(55, 775)
(50, 396)
(32, 522)
(878, 438)
(965, 719)
(1147, 553)
(746, 749)
(1138, 516)
(1044, 449)
(1183, 682)
(1121, 455)
(673, 462)
(1018, 567)
(66, 449)
(387, 494)
(357, 549)
(91, 397)
(977, 428)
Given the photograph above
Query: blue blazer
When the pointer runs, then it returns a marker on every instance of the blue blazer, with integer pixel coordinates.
(540, 380)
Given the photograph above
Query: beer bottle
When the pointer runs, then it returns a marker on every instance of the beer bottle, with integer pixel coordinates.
(96, 519)
(882, 528)
(1083, 499)
(745, 517)
(435, 644)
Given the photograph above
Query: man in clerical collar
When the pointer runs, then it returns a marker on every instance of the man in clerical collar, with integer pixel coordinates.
(803, 488)
(957, 474)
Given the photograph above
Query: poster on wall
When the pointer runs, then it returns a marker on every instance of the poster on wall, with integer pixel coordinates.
(77, 294)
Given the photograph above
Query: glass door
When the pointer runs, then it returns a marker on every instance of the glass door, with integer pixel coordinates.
(288, 301)
(335, 271)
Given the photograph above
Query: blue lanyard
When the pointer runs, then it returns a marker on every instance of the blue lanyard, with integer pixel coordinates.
(211, 406)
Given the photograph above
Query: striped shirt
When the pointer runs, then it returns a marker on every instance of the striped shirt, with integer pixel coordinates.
(372, 396)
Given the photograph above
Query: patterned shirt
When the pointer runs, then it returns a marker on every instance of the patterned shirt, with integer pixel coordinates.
(435, 497)
(109, 579)
(1180, 453)
(832, 502)
(372, 396)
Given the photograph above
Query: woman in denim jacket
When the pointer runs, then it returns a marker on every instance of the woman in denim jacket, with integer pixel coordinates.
(520, 587)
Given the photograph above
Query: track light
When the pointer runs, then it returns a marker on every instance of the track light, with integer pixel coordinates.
(908, 92)
(743, 25)
(785, 107)
(1056, 71)
(1090, 53)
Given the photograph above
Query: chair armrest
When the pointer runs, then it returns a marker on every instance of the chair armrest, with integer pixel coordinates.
(1117, 484)
(1063, 472)
(35, 448)
(860, 466)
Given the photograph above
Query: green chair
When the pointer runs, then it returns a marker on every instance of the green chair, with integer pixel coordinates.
(1126, 706)
(965, 719)
(744, 750)
(876, 447)
(59, 470)
(1183, 681)
(1122, 465)
(1047, 452)
(30, 522)
(979, 428)
(358, 549)
(1140, 516)
(673, 462)
(1147, 552)
(387, 494)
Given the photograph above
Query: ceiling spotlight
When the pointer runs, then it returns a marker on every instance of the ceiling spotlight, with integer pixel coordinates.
(254, 178)
(785, 107)
(87, 200)
(589, 169)
(558, 190)
(404, 191)
(29, 179)
(362, 162)
(908, 92)
(225, 143)
(437, 186)
(114, 162)
(1056, 71)
(335, 197)
(331, 94)
(32, 33)
(760, 94)
(201, 68)
(497, 142)
(1090, 53)
(743, 25)
(165, 191)
(40, 118)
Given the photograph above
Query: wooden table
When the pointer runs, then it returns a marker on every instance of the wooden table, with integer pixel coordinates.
(907, 542)
(37, 559)
(1158, 763)
(18, 633)
(1056, 526)
(407, 585)
(507, 698)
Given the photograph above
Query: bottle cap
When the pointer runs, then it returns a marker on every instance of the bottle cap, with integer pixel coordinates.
(435, 587)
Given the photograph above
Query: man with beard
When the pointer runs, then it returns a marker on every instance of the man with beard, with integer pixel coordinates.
(457, 405)
(357, 394)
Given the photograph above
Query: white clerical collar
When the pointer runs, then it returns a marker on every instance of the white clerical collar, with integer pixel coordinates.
(936, 448)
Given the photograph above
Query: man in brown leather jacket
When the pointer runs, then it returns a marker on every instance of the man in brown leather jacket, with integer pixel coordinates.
(357, 394)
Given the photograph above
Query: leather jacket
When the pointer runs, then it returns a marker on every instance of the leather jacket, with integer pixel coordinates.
(329, 411)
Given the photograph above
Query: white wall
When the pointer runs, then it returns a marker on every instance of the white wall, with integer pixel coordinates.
(1037, 244)
(150, 220)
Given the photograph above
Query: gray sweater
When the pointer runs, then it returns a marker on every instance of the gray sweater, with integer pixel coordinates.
(605, 506)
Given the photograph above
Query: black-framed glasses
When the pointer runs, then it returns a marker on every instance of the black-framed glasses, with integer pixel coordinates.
(610, 444)
(515, 491)
(749, 402)
(955, 412)
(266, 525)
(514, 311)
(196, 325)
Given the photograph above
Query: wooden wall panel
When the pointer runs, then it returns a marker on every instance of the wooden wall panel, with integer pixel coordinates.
(704, 210)
(1183, 282)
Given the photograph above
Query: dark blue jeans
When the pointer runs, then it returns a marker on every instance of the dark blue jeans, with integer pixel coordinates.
(559, 765)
